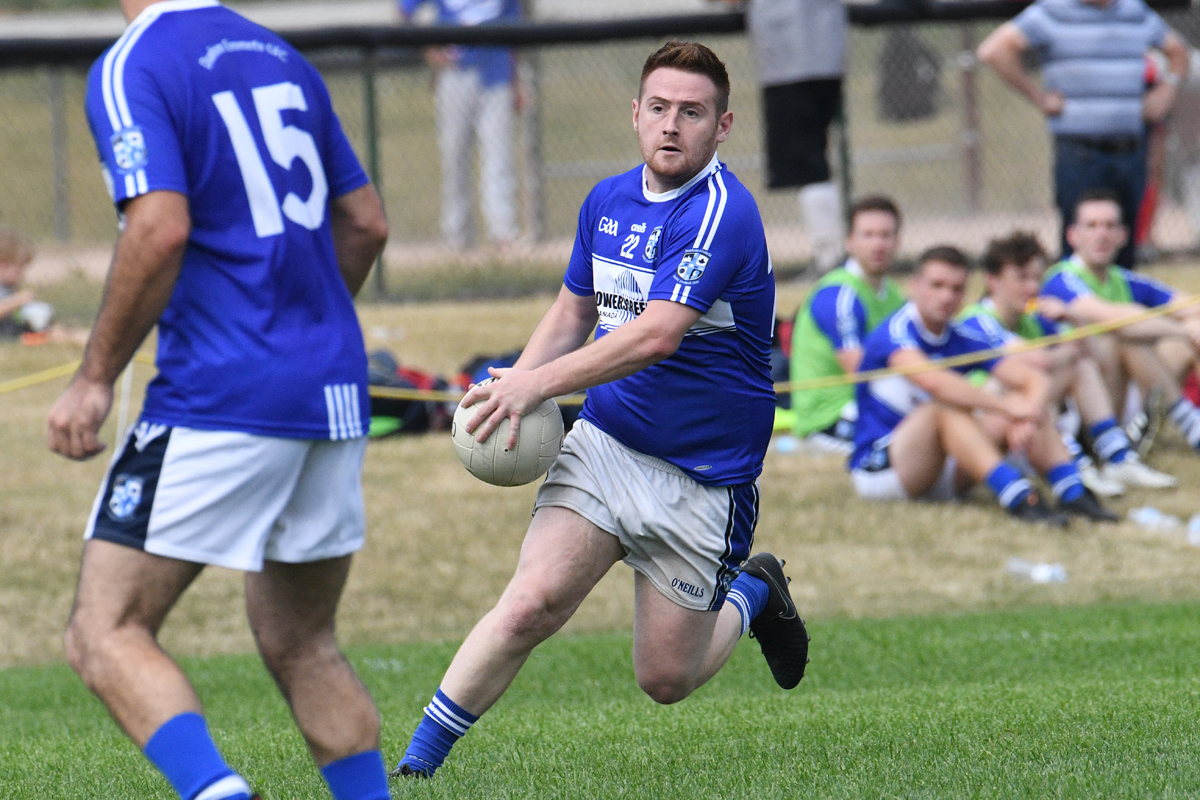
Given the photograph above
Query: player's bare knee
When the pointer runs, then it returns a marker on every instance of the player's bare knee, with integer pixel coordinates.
(666, 686)
(529, 617)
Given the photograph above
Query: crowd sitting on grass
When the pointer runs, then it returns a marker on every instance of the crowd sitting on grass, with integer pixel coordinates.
(933, 434)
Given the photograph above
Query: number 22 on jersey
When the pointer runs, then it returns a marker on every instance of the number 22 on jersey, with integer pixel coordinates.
(285, 143)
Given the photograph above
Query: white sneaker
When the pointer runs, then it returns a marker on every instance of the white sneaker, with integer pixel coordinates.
(1101, 485)
(1135, 472)
(822, 444)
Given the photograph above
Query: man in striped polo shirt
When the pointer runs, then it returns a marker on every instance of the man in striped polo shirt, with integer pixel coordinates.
(1093, 91)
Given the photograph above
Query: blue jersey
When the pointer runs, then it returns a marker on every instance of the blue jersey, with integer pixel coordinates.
(1121, 283)
(841, 316)
(494, 64)
(709, 407)
(884, 402)
(260, 335)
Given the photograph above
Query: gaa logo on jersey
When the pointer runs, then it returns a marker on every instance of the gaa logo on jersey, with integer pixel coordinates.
(126, 497)
(652, 245)
(129, 149)
(691, 267)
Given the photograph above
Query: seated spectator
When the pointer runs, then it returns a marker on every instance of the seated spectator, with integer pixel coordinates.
(22, 315)
(1014, 269)
(923, 436)
(839, 312)
(1088, 287)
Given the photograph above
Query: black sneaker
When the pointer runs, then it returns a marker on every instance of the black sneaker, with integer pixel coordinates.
(1032, 509)
(779, 630)
(1086, 505)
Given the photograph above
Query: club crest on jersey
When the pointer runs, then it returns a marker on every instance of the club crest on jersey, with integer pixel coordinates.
(126, 497)
(691, 266)
(652, 244)
(129, 149)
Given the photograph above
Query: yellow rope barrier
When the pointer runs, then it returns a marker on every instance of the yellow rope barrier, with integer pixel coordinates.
(788, 386)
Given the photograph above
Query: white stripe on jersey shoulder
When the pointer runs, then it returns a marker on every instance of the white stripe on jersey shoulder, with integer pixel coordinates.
(113, 74)
(712, 231)
(663, 197)
(712, 201)
(844, 305)
(899, 323)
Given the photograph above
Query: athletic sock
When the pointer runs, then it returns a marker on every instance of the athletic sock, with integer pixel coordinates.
(358, 777)
(749, 596)
(445, 722)
(1008, 484)
(1186, 417)
(1064, 482)
(1110, 441)
(185, 754)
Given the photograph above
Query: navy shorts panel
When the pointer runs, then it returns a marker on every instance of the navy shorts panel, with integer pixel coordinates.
(123, 514)
(739, 537)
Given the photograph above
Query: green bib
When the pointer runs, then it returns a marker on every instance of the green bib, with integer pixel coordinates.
(813, 354)
(1114, 289)
(1028, 328)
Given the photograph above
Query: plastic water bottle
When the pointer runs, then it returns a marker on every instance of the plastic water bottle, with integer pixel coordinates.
(1152, 519)
(787, 444)
(1036, 572)
(1193, 531)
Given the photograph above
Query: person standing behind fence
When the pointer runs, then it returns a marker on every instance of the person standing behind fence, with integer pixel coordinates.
(1093, 92)
(475, 98)
(247, 224)
(800, 47)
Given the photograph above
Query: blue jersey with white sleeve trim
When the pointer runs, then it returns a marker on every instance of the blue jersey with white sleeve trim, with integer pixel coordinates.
(708, 408)
(841, 316)
(260, 334)
(884, 402)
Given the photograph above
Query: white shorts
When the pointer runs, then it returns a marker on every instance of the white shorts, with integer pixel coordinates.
(688, 539)
(232, 499)
(884, 484)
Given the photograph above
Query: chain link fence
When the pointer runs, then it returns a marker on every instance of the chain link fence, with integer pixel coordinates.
(965, 156)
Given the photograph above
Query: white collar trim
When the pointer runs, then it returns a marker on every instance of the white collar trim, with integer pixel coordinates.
(924, 332)
(854, 268)
(163, 6)
(653, 197)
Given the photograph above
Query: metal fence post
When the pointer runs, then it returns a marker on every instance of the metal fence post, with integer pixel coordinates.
(532, 196)
(58, 147)
(972, 161)
(371, 126)
(845, 179)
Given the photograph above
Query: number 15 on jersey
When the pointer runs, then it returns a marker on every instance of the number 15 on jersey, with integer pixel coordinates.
(285, 143)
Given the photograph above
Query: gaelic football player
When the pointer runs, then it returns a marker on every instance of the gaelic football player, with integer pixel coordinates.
(1156, 353)
(839, 312)
(1014, 268)
(919, 437)
(670, 268)
(247, 226)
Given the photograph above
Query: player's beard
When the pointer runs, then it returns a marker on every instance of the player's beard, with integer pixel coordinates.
(680, 166)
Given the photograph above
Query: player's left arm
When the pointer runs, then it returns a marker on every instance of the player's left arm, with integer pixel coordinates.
(144, 270)
(1158, 102)
(360, 230)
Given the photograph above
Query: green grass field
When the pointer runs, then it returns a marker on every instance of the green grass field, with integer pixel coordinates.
(1090, 702)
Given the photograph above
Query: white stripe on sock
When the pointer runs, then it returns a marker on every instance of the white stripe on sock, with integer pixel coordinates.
(742, 604)
(229, 786)
(442, 718)
(465, 724)
(1013, 490)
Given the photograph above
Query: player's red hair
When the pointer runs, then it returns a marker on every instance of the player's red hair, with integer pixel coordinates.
(690, 57)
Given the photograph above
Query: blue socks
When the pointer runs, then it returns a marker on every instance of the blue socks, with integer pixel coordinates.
(749, 596)
(1008, 484)
(1109, 441)
(358, 777)
(185, 754)
(444, 723)
(1064, 482)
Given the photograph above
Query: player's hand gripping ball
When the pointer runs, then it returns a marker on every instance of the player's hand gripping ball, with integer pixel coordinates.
(538, 443)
